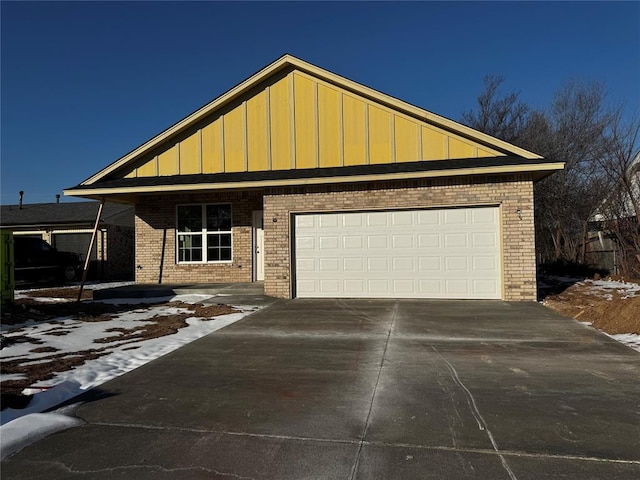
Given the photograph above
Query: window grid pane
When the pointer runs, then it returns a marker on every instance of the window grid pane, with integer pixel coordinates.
(190, 247)
(199, 244)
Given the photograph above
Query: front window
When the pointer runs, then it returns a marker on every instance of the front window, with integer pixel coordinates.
(204, 233)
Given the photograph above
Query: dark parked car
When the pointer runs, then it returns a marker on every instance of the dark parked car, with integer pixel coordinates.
(35, 259)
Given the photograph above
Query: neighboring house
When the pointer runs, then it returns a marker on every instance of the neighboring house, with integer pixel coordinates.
(614, 229)
(323, 187)
(68, 227)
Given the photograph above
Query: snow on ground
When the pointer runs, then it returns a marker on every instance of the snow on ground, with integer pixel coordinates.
(607, 287)
(30, 428)
(630, 339)
(68, 335)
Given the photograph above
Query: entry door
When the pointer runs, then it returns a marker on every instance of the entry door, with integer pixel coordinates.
(258, 245)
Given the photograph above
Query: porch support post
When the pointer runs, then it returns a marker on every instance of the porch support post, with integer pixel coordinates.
(88, 258)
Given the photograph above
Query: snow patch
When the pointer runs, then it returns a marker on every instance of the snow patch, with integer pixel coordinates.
(31, 428)
(630, 339)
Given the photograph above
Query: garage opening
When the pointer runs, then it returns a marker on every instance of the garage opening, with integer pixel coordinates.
(451, 253)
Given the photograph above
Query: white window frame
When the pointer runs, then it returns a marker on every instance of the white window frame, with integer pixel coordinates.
(203, 234)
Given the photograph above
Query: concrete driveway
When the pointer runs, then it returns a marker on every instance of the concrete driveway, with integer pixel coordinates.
(365, 389)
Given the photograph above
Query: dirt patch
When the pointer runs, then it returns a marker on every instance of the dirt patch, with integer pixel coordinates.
(70, 293)
(610, 311)
(28, 309)
(161, 325)
(44, 350)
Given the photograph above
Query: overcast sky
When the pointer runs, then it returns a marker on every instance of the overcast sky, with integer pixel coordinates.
(83, 83)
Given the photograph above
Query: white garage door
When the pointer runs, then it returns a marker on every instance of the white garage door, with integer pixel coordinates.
(448, 253)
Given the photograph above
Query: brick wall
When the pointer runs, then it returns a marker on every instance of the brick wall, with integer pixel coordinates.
(155, 253)
(156, 222)
(513, 193)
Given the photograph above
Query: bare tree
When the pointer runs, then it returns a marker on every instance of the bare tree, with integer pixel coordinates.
(578, 122)
(500, 114)
(620, 210)
(572, 130)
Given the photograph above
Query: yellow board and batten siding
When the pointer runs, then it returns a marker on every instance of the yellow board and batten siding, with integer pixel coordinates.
(301, 122)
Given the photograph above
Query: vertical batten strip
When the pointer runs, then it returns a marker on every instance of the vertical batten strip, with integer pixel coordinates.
(156, 162)
(316, 119)
(268, 113)
(446, 147)
(475, 151)
(292, 124)
(201, 167)
(367, 136)
(392, 126)
(420, 152)
(245, 135)
(177, 145)
(341, 111)
(222, 159)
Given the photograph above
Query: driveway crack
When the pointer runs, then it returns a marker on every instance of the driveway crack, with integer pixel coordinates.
(473, 407)
(394, 314)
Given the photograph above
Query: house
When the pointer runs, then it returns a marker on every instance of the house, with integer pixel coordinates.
(69, 226)
(322, 187)
(614, 229)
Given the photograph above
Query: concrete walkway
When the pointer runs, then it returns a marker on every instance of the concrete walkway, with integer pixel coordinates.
(357, 389)
(235, 293)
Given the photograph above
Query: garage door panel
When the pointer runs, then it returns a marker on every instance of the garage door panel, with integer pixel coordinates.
(457, 288)
(484, 216)
(378, 286)
(328, 243)
(329, 265)
(378, 219)
(403, 264)
(485, 264)
(378, 264)
(446, 253)
(487, 287)
(329, 287)
(352, 220)
(353, 264)
(429, 217)
(352, 241)
(354, 287)
(479, 240)
(328, 221)
(429, 241)
(402, 241)
(403, 287)
(305, 243)
(305, 222)
(306, 265)
(455, 240)
(402, 218)
(377, 241)
(429, 264)
(455, 217)
(456, 263)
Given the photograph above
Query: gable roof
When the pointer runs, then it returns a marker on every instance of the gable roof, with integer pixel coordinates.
(288, 63)
(57, 214)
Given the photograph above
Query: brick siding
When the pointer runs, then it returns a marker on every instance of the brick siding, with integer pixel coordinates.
(513, 193)
(156, 239)
(156, 223)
